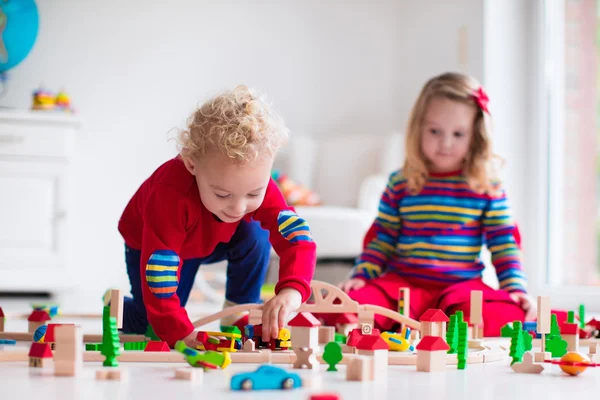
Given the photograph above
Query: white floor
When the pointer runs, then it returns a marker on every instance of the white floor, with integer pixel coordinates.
(155, 381)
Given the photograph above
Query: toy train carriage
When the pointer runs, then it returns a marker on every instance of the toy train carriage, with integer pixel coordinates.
(254, 332)
(219, 341)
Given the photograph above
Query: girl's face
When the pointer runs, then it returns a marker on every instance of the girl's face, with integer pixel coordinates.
(230, 190)
(447, 131)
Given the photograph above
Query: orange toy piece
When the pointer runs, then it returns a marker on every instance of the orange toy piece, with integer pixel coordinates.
(574, 363)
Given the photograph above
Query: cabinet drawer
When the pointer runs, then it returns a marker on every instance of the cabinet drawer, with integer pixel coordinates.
(33, 140)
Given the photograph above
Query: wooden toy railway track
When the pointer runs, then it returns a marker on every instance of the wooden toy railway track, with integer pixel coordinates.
(327, 298)
(482, 355)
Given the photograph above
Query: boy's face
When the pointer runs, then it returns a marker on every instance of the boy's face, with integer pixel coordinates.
(227, 189)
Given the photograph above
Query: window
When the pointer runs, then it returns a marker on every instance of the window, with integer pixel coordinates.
(569, 110)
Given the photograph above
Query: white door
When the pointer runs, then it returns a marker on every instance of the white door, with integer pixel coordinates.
(32, 224)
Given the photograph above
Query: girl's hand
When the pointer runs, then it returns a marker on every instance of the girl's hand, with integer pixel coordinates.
(352, 284)
(276, 310)
(526, 303)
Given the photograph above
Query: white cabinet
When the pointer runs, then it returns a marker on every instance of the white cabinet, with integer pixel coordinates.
(35, 151)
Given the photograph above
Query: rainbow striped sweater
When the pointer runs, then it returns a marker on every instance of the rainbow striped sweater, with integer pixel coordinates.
(437, 235)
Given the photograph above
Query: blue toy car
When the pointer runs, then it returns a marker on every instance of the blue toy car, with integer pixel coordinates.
(265, 377)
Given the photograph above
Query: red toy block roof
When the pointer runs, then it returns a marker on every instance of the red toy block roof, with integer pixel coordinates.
(40, 350)
(355, 335)
(1, 312)
(39, 316)
(304, 319)
(433, 343)
(154, 345)
(594, 322)
(372, 342)
(569, 329)
(434, 315)
(49, 337)
(347, 318)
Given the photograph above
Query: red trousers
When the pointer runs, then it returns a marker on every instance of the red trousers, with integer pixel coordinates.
(498, 308)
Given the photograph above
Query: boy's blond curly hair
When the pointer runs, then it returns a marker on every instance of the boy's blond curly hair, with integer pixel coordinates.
(238, 123)
(481, 163)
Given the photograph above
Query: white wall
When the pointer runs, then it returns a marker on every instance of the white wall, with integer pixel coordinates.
(136, 69)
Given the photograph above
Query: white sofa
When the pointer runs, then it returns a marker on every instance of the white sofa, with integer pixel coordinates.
(349, 173)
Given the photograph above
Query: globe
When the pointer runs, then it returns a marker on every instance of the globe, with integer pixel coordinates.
(19, 23)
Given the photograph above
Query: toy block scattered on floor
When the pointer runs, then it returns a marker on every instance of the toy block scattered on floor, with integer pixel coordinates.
(476, 314)
(7, 341)
(527, 366)
(116, 306)
(306, 357)
(332, 355)
(110, 374)
(431, 354)
(326, 334)
(39, 354)
(189, 374)
(324, 396)
(36, 319)
(2, 320)
(134, 346)
(433, 323)
(68, 357)
(360, 368)
(157, 346)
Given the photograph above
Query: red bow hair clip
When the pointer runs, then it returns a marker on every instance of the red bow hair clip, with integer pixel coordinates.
(482, 99)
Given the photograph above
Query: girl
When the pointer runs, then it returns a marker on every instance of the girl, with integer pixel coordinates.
(437, 212)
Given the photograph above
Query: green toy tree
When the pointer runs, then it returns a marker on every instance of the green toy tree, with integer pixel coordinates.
(554, 342)
(332, 355)
(527, 341)
(110, 339)
(582, 316)
(452, 334)
(462, 345)
(506, 330)
(554, 328)
(150, 333)
(571, 317)
(517, 347)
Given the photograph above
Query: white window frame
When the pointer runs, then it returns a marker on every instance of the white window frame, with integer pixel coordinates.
(547, 272)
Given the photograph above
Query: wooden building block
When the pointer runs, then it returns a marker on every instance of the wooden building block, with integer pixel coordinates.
(541, 357)
(527, 366)
(249, 346)
(116, 306)
(305, 358)
(68, 356)
(305, 337)
(360, 368)
(366, 317)
(543, 317)
(431, 361)
(190, 374)
(111, 374)
(326, 334)
(404, 301)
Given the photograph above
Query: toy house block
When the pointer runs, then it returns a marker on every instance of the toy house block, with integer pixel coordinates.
(377, 348)
(116, 306)
(189, 374)
(356, 334)
(110, 374)
(345, 323)
(68, 357)
(249, 346)
(255, 317)
(431, 354)
(39, 353)
(433, 323)
(360, 368)
(154, 345)
(570, 333)
(526, 366)
(306, 358)
(2, 319)
(326, 334)
(305, 331)
(366, 317)
(36, 319)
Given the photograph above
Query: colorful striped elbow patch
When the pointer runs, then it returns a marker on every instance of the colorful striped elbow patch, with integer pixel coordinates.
(161, 273)
(292, 227)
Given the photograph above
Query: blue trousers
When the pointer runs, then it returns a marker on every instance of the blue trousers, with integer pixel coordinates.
(247, 254)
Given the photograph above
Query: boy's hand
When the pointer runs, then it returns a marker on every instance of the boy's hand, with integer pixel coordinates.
(190, 340)
(526, 303)
(276, 311)
(352, 284)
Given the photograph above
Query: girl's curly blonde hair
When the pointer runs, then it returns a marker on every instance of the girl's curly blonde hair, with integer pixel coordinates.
(479, 166)
(238, 123)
